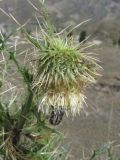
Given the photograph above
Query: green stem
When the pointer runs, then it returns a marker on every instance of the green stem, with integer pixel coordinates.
(24, 111)
(22, 118)
(28, 103)
(12, 56)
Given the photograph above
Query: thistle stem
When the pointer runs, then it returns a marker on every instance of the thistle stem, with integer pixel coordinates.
(26, 106)
(22, 118)
(24, 111)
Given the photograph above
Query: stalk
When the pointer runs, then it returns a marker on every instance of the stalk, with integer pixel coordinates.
(25, 111)
(28, 103)
(22, 118)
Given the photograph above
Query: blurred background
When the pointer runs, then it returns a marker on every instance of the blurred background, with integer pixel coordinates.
(99, 122)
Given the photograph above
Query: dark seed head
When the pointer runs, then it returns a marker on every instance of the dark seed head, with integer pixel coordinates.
(56, 116)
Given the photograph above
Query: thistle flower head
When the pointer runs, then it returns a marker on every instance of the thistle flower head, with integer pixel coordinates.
(64, 69)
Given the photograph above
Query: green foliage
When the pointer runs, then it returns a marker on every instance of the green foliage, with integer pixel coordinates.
(3, 40)
(49, 151)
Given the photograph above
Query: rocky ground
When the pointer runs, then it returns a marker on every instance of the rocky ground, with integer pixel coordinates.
(99, 121)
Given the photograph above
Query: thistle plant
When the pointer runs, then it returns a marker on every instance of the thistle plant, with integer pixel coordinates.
(64, 68)
(54, 76)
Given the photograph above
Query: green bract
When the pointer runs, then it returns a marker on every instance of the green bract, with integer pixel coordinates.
(64, 69)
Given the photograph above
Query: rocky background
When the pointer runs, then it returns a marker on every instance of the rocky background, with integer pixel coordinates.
(99, 122)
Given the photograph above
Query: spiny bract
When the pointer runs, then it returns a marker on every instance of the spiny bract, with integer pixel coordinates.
(64, 69)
